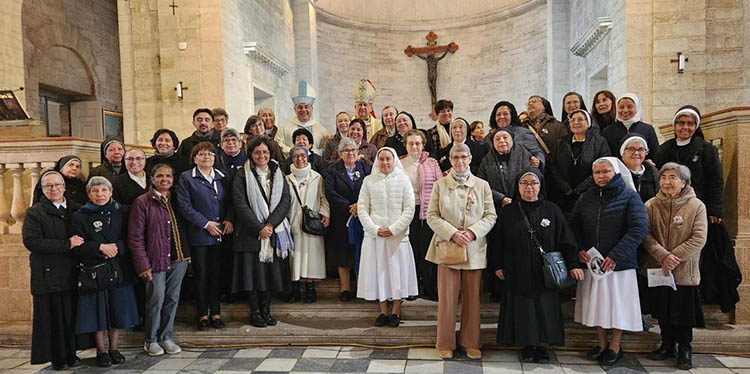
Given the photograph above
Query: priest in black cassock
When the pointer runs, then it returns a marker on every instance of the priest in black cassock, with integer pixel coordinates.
(530, 313)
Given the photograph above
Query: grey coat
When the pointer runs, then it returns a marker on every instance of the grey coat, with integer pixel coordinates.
(523, 137)
(501, 175)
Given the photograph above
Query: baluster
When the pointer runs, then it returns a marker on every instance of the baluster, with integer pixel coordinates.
(18, 205)
(4, 207)
(34, 169)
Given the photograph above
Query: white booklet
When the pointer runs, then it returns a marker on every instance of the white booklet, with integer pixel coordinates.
(595, 264)
(656, 278)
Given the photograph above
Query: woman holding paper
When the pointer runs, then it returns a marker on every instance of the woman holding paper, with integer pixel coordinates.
(677, 231)
(609, 222)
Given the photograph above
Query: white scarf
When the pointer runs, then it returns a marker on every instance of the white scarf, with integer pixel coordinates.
(257, 201)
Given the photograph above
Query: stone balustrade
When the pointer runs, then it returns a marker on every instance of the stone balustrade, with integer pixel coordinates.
(21, 163)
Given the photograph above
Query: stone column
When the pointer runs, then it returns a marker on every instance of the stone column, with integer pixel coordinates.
(34, 169)
(11, 49)
(558, 52)
(18, 205)
(306, 43)
(4, 207)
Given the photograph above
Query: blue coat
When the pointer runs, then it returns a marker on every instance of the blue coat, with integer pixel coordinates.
(199, 203)
(612, 219)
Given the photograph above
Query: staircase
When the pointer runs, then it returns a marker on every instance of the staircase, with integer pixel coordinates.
(330, 321)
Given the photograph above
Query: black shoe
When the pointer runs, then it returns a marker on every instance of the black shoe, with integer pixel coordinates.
(310, 295)
(117, 357)
(609, 357)
(662, 353)
(257, 321)
(541, 355)
(684, 358)
(74, 362)
(203, 324)
(270, 321)
(103, 360)
(411, 298)
(218, 323)
(394, 320)
(60, 367)
(527, 354)
(295, 295)
(345, 296)
(381, 320)
(594, 353)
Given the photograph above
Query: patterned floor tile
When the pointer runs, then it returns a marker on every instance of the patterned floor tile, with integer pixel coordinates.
(321, 352)
(277, 364)
(206, 366)
(423, 354)
(386, 366)
(424, 366)
(241, 364)
(228, 353)
(582, 368)
(390, 354)
(464, 367)
(501, 367)
(313, 365)
(287, 352)
(499, 355)
(350, 365)
(542, 368)
(734, 362)
(354, 352)
(253, 353)
(9, 363)
(172, 364)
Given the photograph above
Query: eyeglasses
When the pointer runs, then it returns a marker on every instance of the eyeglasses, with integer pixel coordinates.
(636, 150)
(529, 184)
(348, 151)
(299, 156)
(205, 154)
(461, 158)
(135, 158)
(231, 140)
(51, 186)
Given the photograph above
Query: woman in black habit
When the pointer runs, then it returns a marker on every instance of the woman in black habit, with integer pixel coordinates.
(70, 169)
(530, 313)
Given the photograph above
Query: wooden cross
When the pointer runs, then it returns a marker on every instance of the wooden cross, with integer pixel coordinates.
(428, 53)
(173, 6)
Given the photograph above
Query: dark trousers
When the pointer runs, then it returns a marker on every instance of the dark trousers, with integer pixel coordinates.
(420, 235)
(227, 265)
(671, 334)
(207, 273)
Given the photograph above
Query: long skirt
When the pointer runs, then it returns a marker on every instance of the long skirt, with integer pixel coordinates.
(386, 270)
(108, 309)
(678, 308)
(252, 275)
(53, 330)
(610, 302)
(530, 320)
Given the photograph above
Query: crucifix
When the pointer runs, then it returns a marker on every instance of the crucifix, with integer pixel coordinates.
(430, 53)
(173, 6)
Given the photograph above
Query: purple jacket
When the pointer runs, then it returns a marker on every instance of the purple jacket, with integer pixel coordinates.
(151, 227)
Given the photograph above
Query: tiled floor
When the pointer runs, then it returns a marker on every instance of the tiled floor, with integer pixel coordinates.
(330, 359)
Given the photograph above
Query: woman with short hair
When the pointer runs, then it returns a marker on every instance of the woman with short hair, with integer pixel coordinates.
(100, 223)
(343, 181)
(459, 132)
(461, 210)
(423, 172)
(165, 143)
(611, 218)
(46, 234)
(203, 199)
(677, 232)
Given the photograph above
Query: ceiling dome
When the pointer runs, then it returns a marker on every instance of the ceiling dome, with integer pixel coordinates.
(419, 14)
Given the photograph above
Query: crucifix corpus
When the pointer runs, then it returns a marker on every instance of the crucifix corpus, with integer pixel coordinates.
(430, 53)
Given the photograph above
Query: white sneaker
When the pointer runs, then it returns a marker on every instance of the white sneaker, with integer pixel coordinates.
(153, 349)
(171, 347)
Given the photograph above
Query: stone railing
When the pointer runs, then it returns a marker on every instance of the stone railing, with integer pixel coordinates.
(21, 163)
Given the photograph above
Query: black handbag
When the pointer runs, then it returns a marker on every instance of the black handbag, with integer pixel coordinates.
(99, 277)
(555, 271)
(312, 221)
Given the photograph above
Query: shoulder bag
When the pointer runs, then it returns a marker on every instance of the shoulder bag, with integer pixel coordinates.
(100, 276)
(555, 272)
(312, 221)
(448, 251)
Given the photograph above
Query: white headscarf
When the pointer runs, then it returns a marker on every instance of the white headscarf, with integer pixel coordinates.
(631, 138)
(397, 167)
(619, 168)
(690, 112)
(637, 116)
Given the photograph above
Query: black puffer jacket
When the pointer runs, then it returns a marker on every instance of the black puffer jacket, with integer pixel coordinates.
(46, 233)
(564, 161)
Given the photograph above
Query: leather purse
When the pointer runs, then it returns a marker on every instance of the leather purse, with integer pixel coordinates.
(555, 271)
(100, 276)
(312, 221)
(448, 251)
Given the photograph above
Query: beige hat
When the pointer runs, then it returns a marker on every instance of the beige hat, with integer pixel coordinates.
(365, 91)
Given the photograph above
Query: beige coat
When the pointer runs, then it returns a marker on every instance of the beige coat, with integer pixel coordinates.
(445, 214)
(308, 259)
(677, 226)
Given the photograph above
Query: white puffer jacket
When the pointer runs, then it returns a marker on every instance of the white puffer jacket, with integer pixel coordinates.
(386, 201)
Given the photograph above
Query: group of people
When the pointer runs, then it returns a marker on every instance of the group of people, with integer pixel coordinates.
(267, 212)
